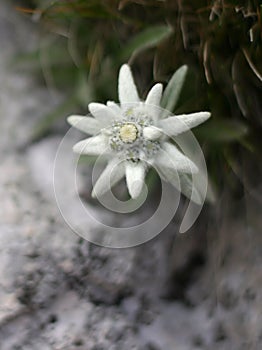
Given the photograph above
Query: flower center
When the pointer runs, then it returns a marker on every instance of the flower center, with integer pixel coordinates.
(128, 133)
(126, 136)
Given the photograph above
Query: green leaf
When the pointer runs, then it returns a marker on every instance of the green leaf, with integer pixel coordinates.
(84, 91)
(173, 89)
(151, 179)
(146, 39)
(222, 130)
(88, 160)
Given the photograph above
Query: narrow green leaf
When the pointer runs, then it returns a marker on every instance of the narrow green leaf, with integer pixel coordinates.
(148, 38)
(84, 91)
(173, 89)
(222, 130)
(151, 179)
(91, 160)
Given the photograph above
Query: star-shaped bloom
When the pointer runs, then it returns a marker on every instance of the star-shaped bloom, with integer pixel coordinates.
(134, 136)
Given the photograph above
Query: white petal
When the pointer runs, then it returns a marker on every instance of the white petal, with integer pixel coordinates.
(95, 145)
(86, 124)
(127, 90)
(170, 157)
(102, 113)
(179, 123)
(182, 182)
(151, 133)
(113, 173)
(116, 108)
(189, 189)
(135, 176)
(154, 95)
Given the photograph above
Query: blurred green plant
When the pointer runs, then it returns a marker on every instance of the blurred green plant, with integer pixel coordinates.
(83, 43)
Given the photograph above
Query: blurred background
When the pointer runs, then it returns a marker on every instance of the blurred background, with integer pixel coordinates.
(199, 290)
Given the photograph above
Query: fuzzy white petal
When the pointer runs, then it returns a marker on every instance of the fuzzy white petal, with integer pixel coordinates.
(113, 173)
(170, 157)
(180, 123)
(154, 95)
(95, 145)
(182, 182)
(102, 113)
(116, 108)
(127, 90)
(135, 176)
(151, 133)
(86, 124)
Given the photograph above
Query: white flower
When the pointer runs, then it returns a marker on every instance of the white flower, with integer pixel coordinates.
(134, 136)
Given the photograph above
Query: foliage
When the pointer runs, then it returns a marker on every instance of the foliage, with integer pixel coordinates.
(83, 43)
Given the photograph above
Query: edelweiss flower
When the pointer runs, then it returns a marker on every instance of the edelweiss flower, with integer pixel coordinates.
(133, 136)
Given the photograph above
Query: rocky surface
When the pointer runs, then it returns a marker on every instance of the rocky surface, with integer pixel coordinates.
(201, 290)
